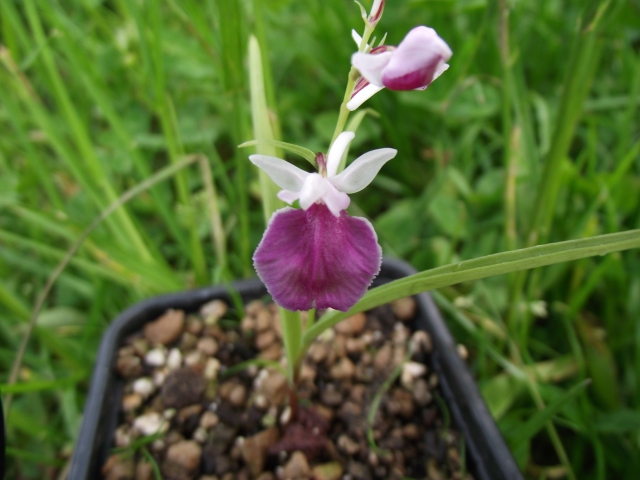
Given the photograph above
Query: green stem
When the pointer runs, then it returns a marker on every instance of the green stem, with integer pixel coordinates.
(351, 81)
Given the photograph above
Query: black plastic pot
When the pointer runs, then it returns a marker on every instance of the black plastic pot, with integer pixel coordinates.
(489, 458)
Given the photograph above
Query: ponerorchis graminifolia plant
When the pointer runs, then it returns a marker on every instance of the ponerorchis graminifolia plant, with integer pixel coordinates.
(318, 256)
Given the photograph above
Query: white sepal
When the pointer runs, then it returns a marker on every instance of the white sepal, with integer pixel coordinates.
(336, 152)
(362, 96)
(288, 196)
(363, 170)
(283, 174)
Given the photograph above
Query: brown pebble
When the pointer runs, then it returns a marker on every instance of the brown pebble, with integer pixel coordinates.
(350, 409)
(296, 468)
(400, 403)
(265, 339)
(144, 471)
(255, 448)
(118, 468)
(274, 352)
(325, 413)
(273, 386)
(166, 329)
(327, 471)
(131, 402)
(382, 360)
(238, 395)
(357, 393)
(187, 412)
(264, 320)
(420, 342)
(188, 342)
(343, 370)
(140, 346)
(208, 346)
(209, 420)
(318, 351)
(404, 308)
(411, 431)
(331, 396)
(266, 476)
(353, 325)
(421, 392)
(307, 373)
(348, 445)
(252, 308)
(129, 366)
(248, 324)
(194, 325)
(186, 454)
(355, 345)
(213, 311)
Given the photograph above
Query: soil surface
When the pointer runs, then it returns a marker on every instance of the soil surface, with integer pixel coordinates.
(370, 407)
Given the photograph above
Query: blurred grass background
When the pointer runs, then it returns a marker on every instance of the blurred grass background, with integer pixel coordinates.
(533, 135)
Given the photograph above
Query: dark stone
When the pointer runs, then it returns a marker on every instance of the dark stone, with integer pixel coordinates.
(182, 387)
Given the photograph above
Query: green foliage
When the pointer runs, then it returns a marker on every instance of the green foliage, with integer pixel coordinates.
(532, 135)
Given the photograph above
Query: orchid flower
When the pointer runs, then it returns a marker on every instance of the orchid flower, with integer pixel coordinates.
(319, 256)
(419, 59)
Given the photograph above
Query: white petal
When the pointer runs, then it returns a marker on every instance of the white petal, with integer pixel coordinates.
(337, 151)
(362, 96)
(336, 201)
(375, 7)
(363, 170)
(356, 37)
(443, 67)
(314, 188)
(283, 174)
(288, 196)
(371, 66)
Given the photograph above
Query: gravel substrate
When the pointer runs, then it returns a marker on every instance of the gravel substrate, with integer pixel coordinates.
(185, 415)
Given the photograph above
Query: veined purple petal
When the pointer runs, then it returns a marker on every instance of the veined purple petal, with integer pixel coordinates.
(312, 259)
(417, 61)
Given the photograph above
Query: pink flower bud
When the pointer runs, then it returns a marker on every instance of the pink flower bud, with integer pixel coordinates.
(419, 59)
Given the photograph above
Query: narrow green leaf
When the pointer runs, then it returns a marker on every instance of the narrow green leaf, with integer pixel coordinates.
(525, 432)
(290, 147)
(482, 267)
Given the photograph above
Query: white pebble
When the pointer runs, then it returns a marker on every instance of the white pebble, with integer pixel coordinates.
(193, 358)
(144, 387)
(200, 435)
(174, 359)
(410, 372)
(159, 376)
(211, 369)
(155, 358)
(150, 423)
(285, 416)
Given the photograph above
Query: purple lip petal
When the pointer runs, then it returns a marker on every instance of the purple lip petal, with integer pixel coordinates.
(311, 259)
(417, 61)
